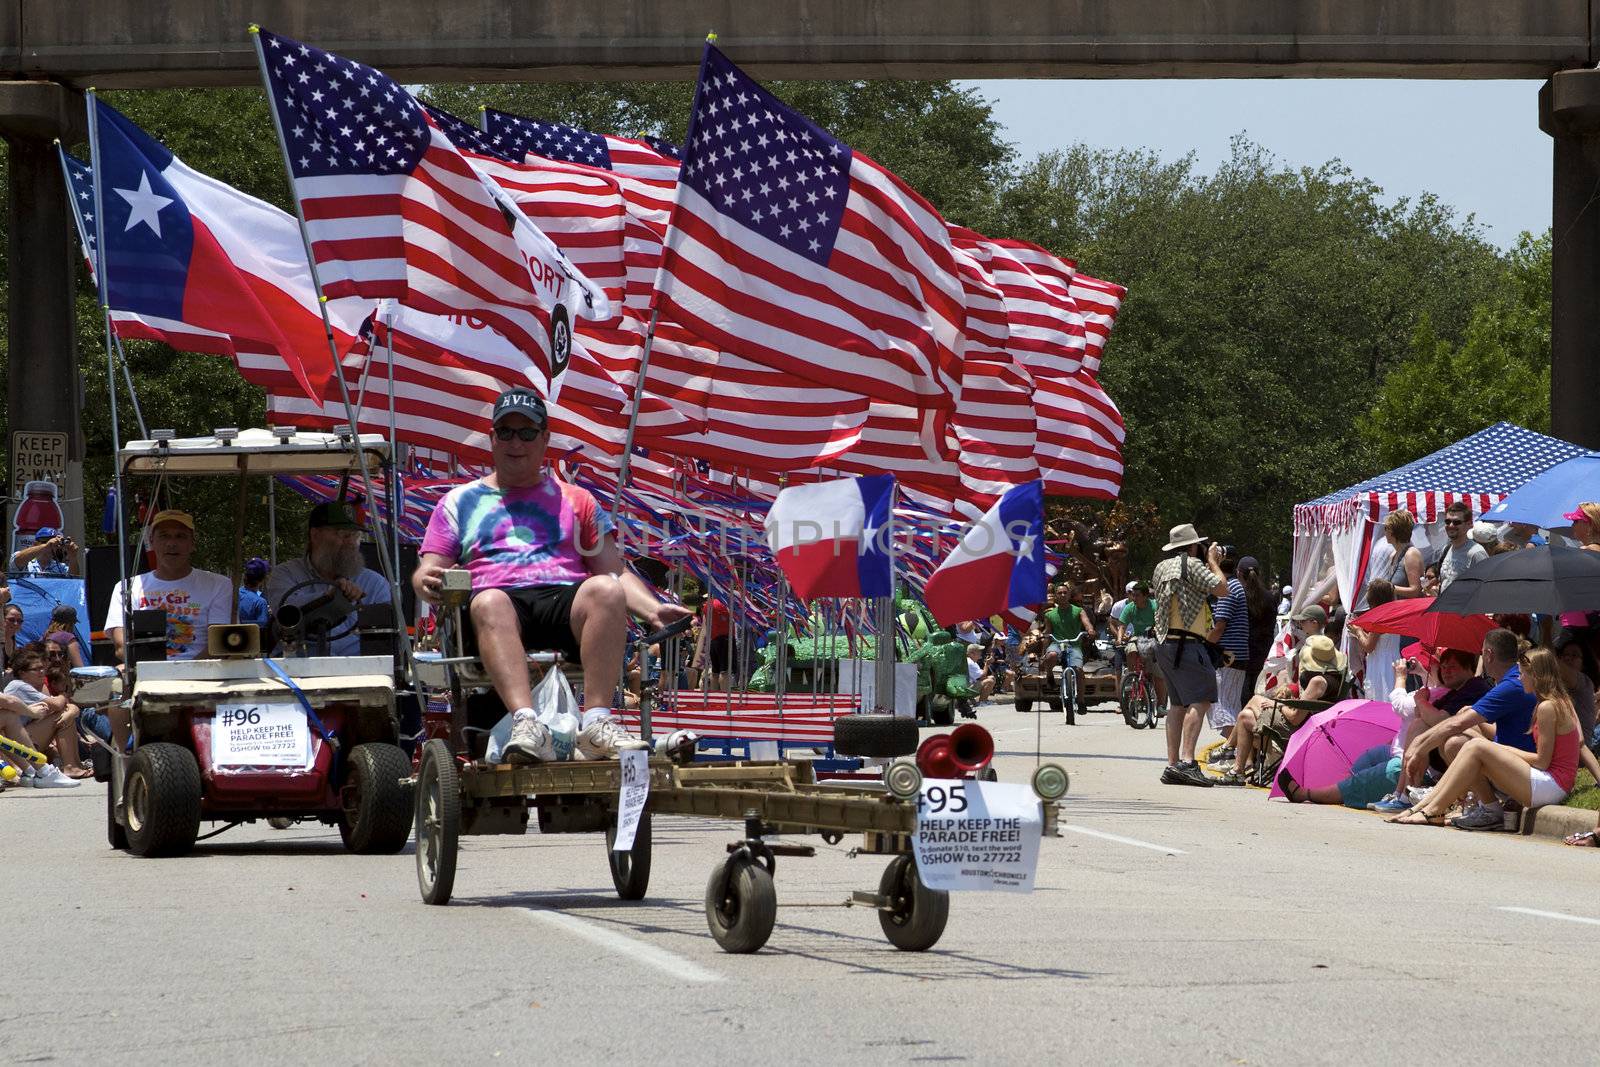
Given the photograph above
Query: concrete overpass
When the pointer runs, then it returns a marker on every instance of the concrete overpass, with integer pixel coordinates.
(49, 50)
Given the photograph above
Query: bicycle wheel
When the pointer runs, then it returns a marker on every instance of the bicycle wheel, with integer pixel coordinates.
(1069, 693)
(1128, 699)
(1148, 696)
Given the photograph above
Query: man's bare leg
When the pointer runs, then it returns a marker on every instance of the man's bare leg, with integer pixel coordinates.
(600, 623)
(1193, 723)
(499, 634)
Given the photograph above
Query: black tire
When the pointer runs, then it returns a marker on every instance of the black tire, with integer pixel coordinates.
(1023, 704)
(377, 808)
(943, 711)
(741, 907)
(917, 916)
(630, 871)
(438, 821)
(988, 774)
(1132, 707)
(162, 800)
(875, 735)
(1068, 702)
(116, 833)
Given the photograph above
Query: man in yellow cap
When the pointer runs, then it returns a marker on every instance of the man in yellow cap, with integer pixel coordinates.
(192, 598)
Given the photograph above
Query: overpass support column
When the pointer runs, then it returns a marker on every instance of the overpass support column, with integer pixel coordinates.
(1569, 111)
(44, 389)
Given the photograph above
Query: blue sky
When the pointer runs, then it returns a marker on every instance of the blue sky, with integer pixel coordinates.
(1474, 144)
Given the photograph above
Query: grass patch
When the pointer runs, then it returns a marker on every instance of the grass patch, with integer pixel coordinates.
(1585, 793)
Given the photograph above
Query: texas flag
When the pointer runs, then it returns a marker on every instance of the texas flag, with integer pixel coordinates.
(830, 538)
(181, 246)
(997, 565)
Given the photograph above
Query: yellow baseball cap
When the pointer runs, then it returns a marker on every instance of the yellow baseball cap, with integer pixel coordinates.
(172, 515)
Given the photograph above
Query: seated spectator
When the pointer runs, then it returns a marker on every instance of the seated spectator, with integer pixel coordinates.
(13, 630)
(1576, 664)
(52, 554)
(1448, 686)
(968, 633)
(1544, 775)
(1503, 715)
(63, 628)
(982, 682)
(1322, 678)
(50, 721)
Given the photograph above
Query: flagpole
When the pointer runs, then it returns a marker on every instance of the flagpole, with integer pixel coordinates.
(396, 485)
(633, 416)
(885, 664)
(111, 371)
(327, 328)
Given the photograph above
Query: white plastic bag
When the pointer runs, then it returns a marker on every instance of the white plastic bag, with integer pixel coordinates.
(557, 707)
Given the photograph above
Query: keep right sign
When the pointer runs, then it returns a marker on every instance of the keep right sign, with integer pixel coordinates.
(975, 835)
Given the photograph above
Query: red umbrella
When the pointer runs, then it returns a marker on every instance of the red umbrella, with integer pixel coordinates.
(1438, 629)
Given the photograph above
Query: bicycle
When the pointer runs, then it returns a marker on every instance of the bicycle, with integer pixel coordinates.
(1069, 691)
(1138, 695)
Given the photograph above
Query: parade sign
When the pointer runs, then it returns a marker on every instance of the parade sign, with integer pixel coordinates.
(977, 835)
(37, 456)
(260, 735)
(634, 792)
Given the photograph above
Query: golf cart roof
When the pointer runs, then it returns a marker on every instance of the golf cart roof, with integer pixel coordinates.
(253, 451)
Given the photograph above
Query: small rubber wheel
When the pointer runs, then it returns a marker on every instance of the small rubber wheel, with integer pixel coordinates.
(162, 800)
(116, 833)
(988, 774)
(741, 905)
(630, 871)
(438, 822)
(875, 735)
(376, 808)
(943, 712)
(916, 916)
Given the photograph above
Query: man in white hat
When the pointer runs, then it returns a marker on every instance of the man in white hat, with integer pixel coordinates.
(1180, 586)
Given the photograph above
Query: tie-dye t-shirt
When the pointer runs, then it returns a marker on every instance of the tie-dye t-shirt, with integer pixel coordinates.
(520, 537)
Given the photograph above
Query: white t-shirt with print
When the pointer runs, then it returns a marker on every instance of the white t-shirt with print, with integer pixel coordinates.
(192, 603)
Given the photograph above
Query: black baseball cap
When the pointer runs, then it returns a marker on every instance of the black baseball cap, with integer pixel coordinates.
(336, 513)
(523, 402)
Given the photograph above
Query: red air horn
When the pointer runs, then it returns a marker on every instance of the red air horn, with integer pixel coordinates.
(965, 750)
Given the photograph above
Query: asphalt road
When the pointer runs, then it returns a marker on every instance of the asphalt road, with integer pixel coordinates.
(1169, 924)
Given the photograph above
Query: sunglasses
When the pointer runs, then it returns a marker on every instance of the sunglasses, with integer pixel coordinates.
(1455, 522)
(521, 433)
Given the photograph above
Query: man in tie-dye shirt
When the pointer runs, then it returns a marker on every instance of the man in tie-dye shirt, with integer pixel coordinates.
(546, 573)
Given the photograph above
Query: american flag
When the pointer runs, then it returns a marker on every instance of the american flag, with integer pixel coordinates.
(794, 251)
(1099, 301)
(646, 179)
(1046, 325)
(1080, 437)
(394, 209)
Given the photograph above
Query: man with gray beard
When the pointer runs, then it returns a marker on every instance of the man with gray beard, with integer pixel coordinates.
(333, 558)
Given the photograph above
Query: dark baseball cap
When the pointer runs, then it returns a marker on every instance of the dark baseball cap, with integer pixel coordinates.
(523, 402)
(336, 513)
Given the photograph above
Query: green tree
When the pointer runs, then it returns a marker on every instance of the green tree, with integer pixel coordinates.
(1499, 371)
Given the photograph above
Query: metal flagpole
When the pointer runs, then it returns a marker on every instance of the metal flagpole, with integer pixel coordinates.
(633, 416)
(111, 370)
(396, 480)
(272, 520)
(327, 325)
(885, 615)
(127, 377)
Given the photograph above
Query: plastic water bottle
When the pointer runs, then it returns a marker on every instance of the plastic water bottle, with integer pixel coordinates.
(563, 726)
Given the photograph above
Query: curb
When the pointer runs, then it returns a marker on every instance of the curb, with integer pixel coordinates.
(1556, 820)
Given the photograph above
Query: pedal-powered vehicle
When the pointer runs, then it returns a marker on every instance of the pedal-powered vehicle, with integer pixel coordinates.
(459, 794)
(239, 736)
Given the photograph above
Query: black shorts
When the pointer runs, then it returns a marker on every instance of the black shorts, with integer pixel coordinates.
(544, 617)
(720, 653)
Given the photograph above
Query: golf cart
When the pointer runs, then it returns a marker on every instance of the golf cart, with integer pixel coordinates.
(240, 735)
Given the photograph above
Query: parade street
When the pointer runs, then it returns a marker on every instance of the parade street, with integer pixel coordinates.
(1169, 922)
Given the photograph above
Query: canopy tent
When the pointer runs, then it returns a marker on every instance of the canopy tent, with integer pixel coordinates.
(1343, 533)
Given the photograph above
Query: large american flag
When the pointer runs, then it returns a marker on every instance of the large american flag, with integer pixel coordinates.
(792, 250)
(393, 209)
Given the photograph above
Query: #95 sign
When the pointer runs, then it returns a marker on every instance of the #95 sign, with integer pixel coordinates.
(977, 835)
(260, 735)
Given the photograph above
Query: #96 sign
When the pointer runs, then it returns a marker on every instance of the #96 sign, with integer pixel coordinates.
(260, 735)
(977, 835)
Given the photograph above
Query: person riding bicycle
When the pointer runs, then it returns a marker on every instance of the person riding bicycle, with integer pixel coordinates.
(1135, 626)
(1067, 624)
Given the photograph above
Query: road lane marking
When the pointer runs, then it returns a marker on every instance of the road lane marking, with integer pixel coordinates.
(647, 954)
(1135, 842)
(1553, 915)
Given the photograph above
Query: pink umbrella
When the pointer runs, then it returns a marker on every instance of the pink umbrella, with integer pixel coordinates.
(1322, 751)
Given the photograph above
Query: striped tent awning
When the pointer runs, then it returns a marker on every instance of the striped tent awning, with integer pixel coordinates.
(1480, 470)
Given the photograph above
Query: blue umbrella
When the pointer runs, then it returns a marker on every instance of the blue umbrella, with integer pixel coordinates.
(1545, 500)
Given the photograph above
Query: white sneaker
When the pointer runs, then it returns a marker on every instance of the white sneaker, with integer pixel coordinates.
(50, 777)
(530, 741)
(604, 738)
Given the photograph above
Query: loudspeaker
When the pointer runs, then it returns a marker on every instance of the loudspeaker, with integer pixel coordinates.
(230, 640)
